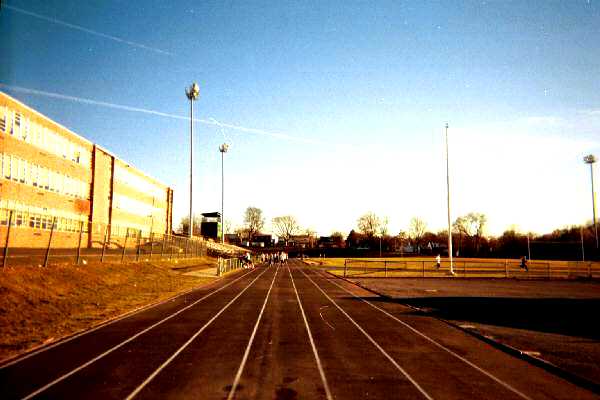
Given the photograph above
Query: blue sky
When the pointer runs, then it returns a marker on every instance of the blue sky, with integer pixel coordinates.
(357, 94)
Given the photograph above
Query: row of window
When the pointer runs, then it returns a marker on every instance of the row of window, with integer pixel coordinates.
(140, 184)
(135, 206)
(14, 123)
(41, 218)
(26, 216)
(23, 171)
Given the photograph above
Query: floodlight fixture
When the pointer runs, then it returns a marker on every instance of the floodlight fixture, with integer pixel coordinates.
(193, 92)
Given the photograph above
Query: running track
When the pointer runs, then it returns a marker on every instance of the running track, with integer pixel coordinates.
(290, 332)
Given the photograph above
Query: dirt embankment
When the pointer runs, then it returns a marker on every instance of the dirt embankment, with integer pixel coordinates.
(40, 305)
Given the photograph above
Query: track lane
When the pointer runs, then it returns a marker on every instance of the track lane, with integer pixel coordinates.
(281, 363)
(354, 366)
(57, 368)
(283, 337)
(206, 366)
(483, 371)
(238, 375)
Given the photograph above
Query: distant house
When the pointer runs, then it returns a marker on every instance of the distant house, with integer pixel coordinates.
(233, 238)
(303, 241)
(331, 242)
(262, 240)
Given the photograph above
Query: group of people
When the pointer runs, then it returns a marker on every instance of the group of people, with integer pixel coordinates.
(247, 261)
(280, 257)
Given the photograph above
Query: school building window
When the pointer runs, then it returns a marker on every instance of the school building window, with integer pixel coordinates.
(23, 171)
(3, 119)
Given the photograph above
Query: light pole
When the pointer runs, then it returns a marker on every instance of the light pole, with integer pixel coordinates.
(223, 149)
(590, 159)
(192, 93)
(448, 197)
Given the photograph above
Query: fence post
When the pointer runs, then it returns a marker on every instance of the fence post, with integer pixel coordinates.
(79, 244)
(385, 267)
(345, 267)
(506, 267)
(589, 265)
(162, 249)
(172, 245)
(124, 245)
(4, 260)
(151, 244)
(464, 269)
(139, 240)
(568, 269)
(104, 243)
(423, 267)
(549, 276)
(219, 266)
(49, 242)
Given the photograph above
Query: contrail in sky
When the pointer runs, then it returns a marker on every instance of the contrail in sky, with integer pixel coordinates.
(210, 121)
(86, 30)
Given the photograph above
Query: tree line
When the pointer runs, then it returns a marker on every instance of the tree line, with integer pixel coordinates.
(469, 237)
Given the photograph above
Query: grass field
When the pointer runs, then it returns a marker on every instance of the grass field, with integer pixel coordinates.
(40, 305)
(463, 267)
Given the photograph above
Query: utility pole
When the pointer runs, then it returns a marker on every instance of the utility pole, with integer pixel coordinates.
(448, 198)
(590, 159)
(192, 93)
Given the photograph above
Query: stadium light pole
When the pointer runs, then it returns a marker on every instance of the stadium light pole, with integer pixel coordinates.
(223, 149)
(448, 198)
(192, 93)
(591, 159)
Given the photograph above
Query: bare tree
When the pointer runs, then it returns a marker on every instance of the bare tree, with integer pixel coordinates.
(337, 234)
(383, 229)
(471, 225)
(254, 221)
(369, 224)
(227, 226)
(184, 225)
(416, 230)
(286, 226)
(338, 238)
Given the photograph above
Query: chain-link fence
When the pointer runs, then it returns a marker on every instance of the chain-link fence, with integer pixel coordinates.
(491, 268)
(36, 239)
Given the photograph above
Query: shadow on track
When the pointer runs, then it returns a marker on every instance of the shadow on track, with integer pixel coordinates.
(570, 317)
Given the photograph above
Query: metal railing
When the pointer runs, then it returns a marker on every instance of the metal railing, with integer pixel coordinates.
(493, 268)
(225, 265)
(25, 242)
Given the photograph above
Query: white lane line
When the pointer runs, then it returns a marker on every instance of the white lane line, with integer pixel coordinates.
(107, 352)
(312, 342)
(103, 325)
(439, 345)
(238, 375)
(390, 358)
(190, 340)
